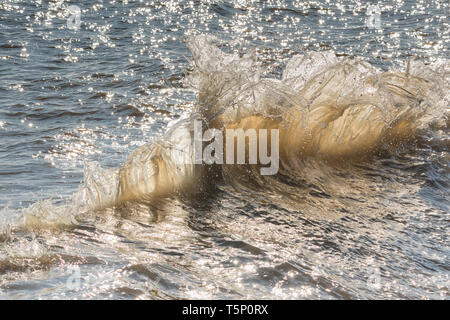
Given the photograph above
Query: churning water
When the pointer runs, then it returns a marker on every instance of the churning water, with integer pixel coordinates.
(96, 95)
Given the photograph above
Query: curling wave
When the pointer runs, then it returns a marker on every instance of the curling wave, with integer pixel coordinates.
(327, 110)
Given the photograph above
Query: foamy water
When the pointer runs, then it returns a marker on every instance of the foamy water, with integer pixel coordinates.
(95, 203)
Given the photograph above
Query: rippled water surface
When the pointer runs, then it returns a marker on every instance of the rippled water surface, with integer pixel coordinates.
(74, 102)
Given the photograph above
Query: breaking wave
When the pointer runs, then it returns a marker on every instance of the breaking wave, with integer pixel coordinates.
(330, 112)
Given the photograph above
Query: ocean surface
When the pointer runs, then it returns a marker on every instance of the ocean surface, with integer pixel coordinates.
(358, 210)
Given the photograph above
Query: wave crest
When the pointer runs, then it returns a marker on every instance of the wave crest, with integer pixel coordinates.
(325, 108)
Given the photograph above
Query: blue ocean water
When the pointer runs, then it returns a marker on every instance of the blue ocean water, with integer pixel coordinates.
(90, 86)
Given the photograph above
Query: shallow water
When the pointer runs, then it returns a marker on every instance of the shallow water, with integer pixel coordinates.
(72, 101)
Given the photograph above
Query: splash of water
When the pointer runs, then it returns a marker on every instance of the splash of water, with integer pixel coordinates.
(325, 107)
